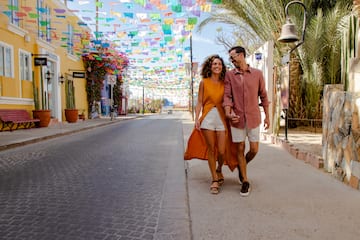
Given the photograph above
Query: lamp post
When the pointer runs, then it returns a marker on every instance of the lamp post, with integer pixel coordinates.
(143, 100)
(143, 94)
(288, 35)
(48, 78)
(192, 78)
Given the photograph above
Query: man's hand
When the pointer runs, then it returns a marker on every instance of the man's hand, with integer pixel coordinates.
(266, 123)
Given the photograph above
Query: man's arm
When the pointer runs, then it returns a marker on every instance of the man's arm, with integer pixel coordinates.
(228, 100)
(264, 102)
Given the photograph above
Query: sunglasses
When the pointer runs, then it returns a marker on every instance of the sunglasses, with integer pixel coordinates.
(233, 56)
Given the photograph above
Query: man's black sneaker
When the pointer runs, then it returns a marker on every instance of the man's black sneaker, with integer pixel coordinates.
(240, 176)
(245, 189)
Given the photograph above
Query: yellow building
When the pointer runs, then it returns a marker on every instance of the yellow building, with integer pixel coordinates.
(40, 53)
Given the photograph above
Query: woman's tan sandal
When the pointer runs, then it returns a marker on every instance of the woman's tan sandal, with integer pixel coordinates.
(220, 177)
(214, 189)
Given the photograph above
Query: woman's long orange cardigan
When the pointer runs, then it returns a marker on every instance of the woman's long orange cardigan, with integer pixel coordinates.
(196, 146)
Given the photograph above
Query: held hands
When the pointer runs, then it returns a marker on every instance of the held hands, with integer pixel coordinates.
(232, 117)
(197, 124)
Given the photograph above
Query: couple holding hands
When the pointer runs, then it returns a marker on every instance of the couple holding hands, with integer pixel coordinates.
(227, 112)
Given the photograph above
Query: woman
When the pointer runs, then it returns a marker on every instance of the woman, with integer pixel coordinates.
(209, 138)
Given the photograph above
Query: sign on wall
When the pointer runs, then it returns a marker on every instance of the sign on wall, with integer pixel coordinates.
(78, 74)
(40, 61)
(112, 79)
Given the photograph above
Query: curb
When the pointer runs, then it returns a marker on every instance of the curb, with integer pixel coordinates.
(55, 135)
(308, 157)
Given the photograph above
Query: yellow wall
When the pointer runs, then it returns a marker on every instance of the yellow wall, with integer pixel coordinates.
(79, 85)
(21, 93)
(27, 89)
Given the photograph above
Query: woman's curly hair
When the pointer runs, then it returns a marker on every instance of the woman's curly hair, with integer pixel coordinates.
(206, 67)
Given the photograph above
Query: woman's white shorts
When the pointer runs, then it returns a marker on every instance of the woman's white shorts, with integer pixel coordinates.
(212, 121)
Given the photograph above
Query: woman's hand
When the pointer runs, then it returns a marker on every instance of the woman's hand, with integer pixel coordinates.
(197, 124)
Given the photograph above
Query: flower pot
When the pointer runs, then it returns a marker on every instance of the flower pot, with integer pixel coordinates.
(44, 116)
(71, 115)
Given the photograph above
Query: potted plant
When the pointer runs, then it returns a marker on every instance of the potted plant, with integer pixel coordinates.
(43, 114)
(71, 113)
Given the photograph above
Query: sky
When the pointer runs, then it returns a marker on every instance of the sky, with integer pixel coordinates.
(135, 25)
(118, 13)
(204, 43)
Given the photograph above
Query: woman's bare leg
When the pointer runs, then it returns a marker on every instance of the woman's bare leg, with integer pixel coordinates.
(210, 139)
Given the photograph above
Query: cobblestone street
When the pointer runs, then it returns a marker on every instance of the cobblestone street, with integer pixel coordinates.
(81, 188)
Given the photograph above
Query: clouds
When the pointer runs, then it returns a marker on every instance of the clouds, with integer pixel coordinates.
(202, 39)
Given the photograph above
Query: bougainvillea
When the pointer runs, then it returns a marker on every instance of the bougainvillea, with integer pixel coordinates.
(101, 60)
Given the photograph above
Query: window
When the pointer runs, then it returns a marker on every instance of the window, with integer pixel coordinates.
(25, 64)
(48, 25)
(44, 21)
(70, 41)
(6, 56)
(14, 8)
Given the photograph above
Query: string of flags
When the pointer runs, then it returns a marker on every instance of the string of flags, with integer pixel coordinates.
(152, 33)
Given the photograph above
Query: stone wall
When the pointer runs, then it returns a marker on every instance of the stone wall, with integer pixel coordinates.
(341, 134)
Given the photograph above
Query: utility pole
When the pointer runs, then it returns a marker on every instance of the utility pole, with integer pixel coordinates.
(192, 79)
(143, 100)
(143, 95)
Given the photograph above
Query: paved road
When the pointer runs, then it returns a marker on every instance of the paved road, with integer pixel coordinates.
(123, 181)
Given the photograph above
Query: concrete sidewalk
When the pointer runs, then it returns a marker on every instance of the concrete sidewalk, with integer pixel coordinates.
(25, 136)
(290, 199)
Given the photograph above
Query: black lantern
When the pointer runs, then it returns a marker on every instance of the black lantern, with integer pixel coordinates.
(48, 76)
(61, 79)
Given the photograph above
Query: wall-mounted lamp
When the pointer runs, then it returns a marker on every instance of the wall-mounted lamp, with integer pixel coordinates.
(61, 79)
(48, 76)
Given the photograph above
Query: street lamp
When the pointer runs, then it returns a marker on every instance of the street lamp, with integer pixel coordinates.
(143, 94)
(48, 78)
(288, 35)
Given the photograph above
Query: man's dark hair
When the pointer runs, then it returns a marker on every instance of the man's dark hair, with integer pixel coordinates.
(238, 49)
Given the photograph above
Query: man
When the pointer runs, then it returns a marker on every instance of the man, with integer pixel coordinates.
(243, 87)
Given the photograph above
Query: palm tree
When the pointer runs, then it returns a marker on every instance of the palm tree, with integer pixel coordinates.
(252, 22)
(321, 54)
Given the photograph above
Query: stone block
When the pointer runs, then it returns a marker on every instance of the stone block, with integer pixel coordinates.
(355, 168)
(286, 145)
(314, 160)
(354, 182)
(302, 155)
(294, 151)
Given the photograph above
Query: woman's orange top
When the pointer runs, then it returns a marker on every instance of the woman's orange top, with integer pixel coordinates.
(196, 146)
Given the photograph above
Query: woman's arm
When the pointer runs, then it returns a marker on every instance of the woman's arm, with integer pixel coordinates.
(199, 104)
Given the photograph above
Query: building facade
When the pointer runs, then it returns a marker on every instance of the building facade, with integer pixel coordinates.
(40, 49)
